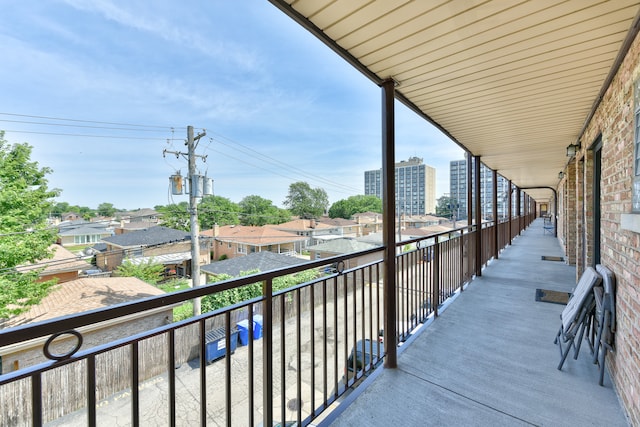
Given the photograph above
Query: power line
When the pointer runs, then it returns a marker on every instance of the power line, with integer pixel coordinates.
(254, 153)
(87, 121)
(81, 135)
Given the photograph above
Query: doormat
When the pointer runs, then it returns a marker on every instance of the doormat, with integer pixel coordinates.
(556, 297)
(552, 258)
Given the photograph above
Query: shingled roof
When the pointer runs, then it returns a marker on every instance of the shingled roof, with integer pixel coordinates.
(82, 295)
(263, 261)
(157, 235)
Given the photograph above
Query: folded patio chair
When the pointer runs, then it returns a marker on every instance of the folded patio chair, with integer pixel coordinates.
(575, 316)
(605, 317)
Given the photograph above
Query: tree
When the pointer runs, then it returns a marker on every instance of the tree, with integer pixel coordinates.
(258, 211)
(25, 203)
(346, 208)
(254, 290)
(175, 216)
(150, 271)
(306, 202)
(445, 206)
(106, 209)
(217, 210)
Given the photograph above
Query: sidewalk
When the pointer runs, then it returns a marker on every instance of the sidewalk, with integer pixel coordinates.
(489, 359)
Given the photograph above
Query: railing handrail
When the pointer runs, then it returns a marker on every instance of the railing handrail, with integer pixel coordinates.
(31, 331)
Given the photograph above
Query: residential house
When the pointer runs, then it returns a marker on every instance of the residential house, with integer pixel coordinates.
(371, 222)
(313, 230)
(140, 215)
(347, 227)
(70, 216)
(344, 246)
(81, 232)
(233, 241)
(422, 221)
(64, 266)
(126, 227)
(261, 261)
(167, 246)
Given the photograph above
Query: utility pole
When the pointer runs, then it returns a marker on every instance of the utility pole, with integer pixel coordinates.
(193, 213)
(193, 209)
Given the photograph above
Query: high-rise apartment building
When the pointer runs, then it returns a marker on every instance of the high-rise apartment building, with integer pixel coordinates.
(415, 186)
(458, 190)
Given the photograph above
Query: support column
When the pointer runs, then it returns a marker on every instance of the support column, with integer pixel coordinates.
(388, 225)
(478, 215)
(510, 210)
(494, 178)
(469, 190)
(519, 208)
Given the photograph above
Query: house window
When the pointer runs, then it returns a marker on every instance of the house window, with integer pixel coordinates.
(242, 249)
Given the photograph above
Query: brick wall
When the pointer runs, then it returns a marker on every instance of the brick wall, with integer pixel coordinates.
(620, 248)
(571, 209)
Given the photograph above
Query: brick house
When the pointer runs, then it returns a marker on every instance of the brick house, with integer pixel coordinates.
(234, 241)
(313, 230)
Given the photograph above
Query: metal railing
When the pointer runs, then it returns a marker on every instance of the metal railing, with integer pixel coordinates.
(285, 355)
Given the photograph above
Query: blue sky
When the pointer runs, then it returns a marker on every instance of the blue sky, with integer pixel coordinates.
(101, 88)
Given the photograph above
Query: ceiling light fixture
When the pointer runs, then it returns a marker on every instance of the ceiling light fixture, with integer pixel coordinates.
(572, 149)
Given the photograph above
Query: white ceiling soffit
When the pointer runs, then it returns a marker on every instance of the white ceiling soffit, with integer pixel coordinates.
(511, 81)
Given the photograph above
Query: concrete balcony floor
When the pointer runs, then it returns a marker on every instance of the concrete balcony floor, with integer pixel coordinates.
(489, 359)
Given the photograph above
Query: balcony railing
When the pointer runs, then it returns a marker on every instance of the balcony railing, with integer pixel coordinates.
(290, 366)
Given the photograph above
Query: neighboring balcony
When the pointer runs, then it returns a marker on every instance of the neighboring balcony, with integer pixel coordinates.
(283, 356)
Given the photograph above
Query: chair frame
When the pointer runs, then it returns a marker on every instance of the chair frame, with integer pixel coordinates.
(575, 318)
(604, 318)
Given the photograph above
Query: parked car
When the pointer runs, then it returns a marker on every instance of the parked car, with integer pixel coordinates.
(362, 355)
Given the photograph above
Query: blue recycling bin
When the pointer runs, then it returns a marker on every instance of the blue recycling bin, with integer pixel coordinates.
(257, 326)
(256, 329)
(243, 332)
(216, 344)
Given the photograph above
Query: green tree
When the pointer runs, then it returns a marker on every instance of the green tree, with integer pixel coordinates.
(306, 202)
(445, 206)
(175, 216)
(25, 203)
(106, 209)
(217, 210)
(256, 210)
(233, 296)
(59, 208)
(150, 271)
(346, 208)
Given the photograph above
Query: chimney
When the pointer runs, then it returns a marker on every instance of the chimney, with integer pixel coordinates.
(312, 223)
(216, 230)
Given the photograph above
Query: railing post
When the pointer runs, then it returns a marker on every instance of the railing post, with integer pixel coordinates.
(478, 216)
(436, 277)
(388, 226)
(267, 353)
(494, 177)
